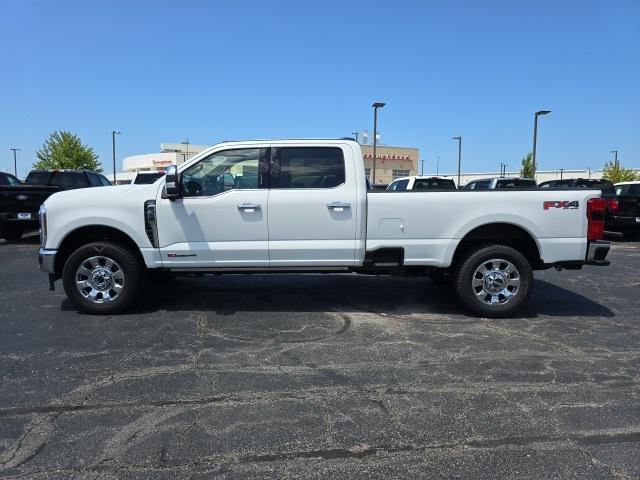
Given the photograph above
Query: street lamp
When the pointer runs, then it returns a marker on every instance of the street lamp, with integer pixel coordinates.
(375, 106)
(186, 142)
(15, 162)
(459, 156)
(615, 161)
(535, 138)
(113, 144)
(356, 135)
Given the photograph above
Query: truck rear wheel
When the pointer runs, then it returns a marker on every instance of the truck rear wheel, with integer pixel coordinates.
(102, 278)
(494, 281)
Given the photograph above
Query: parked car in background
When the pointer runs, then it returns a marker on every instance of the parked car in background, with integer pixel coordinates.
(626, 219)
(422, 183)
(19, 203)
(145, 178)
(605, 186)
(500, 183)
(8, 179)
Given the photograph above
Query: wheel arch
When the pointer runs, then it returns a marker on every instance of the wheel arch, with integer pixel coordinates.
(501, 233)
(92, 233)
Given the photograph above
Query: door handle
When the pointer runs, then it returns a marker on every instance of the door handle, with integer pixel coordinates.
(338, 206)
(249, 207)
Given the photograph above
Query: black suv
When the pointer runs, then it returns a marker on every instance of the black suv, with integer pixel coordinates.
(20, 203)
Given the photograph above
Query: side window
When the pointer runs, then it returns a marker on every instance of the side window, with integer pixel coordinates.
(104, 181)
(307, 167)
(482, 185)
(94, 181)
(222, 171)
(470, 186)
(634, 190)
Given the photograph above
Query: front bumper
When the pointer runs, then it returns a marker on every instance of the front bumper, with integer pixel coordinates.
(47, 260)
(597, 253)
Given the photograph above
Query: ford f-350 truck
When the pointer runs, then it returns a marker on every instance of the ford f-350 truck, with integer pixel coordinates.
(304, 206)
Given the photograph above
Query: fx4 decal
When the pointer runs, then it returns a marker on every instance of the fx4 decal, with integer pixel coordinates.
(564, 204)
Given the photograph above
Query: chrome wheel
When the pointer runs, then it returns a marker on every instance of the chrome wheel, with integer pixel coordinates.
(99, 279)
(496, 282)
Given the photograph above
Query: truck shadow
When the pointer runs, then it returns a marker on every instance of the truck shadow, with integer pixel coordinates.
(229, 294)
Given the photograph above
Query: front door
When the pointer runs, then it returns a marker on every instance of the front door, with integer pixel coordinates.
(312, 207)
(220, 220)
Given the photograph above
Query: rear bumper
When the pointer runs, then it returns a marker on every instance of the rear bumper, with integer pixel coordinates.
(597, 253)
(47, 260)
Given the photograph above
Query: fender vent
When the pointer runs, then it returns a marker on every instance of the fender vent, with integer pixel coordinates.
(150, 224)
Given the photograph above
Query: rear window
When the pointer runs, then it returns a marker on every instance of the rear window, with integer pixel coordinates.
(69, 180)
(479, 185)
(433, 184)
(38, 178)
(604, 185)
(516, 183)
(399, 184)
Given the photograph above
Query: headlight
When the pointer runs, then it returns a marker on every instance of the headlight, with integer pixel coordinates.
(43, 225)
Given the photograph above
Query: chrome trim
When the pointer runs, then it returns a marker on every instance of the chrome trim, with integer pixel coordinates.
(47, 259)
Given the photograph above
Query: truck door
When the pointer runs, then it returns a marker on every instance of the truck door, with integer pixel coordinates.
(220, 220)
(312, 207)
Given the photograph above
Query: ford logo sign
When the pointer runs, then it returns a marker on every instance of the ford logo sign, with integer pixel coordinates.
(22, 197)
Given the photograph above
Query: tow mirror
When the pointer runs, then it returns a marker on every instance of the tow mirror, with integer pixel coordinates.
(172, 182)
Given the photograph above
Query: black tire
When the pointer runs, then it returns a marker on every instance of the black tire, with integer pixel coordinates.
(475, 267)
(12, 234)
(130, 272)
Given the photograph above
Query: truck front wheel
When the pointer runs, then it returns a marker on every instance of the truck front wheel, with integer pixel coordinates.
(494, 281)
(102, 278)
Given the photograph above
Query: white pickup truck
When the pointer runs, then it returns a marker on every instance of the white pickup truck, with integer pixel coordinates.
(304, 206)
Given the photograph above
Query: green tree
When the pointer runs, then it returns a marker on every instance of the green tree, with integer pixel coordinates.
(63, 149)
(616, 173)
(527, 166)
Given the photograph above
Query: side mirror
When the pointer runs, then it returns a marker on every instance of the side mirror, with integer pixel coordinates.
(172, 183)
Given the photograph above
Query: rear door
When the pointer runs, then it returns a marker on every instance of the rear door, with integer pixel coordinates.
(312, 206)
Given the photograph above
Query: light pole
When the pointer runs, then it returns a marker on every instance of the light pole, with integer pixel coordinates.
(503, 169)
(459, 156)
(113, 145)
(535, 138)
(186, 142)
(15, 161)
(561, 173)
(356, 135)
(422, 167)
(615, 161)
(438, 166)
(375, 106)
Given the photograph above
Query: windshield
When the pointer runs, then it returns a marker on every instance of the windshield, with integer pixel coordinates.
(434, 184)
(516, 183)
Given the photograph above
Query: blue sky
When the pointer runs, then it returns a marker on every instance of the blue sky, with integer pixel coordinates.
(215, 70)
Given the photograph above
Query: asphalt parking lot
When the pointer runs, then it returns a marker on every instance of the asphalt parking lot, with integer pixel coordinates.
(321, 377)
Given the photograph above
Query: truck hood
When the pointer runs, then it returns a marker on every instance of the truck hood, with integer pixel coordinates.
(84, 197)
